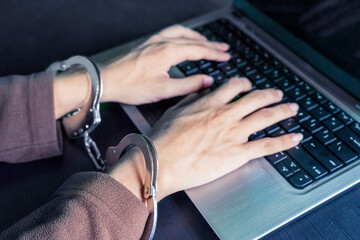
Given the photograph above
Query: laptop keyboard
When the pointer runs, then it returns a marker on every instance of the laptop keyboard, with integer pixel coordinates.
(331, 137)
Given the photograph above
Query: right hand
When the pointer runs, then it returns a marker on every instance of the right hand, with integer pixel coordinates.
(198, 142)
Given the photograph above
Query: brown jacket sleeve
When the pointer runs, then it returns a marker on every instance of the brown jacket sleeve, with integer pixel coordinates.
(89, 205)
(27, 120)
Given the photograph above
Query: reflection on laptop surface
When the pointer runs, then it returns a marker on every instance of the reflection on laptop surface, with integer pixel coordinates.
(310, 50)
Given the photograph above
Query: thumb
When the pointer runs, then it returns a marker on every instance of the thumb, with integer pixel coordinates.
(182, 86)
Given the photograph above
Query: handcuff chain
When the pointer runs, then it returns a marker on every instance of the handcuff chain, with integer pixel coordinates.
(94, 152)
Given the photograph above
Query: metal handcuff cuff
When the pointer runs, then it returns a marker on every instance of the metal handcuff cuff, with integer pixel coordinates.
(84, 120)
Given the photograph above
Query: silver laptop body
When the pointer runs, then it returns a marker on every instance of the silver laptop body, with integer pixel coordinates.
(255, 199)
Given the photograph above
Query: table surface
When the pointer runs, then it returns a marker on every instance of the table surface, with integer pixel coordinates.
(24, 187)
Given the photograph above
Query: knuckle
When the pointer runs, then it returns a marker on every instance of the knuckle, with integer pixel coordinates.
(258, 95)
(267, 113)
(269, 144)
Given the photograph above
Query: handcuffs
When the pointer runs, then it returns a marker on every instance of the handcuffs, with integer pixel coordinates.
(84, 120)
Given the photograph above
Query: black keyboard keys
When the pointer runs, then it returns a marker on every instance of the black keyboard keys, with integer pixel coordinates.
(320, 113)
(325, 136)
(323, 155)
(277, 157)
(290, 124)
(344, 118)
(301, 179)
(350, 139)
(333, 124)
(308, 103)
(343, 152)
(312, 125)
(307, 162)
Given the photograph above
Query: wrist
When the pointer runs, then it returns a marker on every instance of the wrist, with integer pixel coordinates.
(70, 91)
(130, 172)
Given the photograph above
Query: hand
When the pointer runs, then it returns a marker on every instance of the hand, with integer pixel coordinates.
(142, 76)
(198, 142)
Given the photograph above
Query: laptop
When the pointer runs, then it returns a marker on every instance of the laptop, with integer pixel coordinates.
(310, 50)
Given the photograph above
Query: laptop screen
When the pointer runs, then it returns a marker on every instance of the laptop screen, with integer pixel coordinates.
(324, 32)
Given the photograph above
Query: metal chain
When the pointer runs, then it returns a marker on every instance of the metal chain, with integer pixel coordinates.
(94, 152)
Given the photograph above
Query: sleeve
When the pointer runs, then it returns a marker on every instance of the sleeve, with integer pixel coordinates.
(28, 128)
(89, 205)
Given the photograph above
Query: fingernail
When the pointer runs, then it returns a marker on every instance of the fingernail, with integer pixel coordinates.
(280, 93)
(297, 137)
(208, 81)
(294, 107)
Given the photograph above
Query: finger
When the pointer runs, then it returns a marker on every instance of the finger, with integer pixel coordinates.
(268, 146)
(216, 45)
(182, 86)
(181, 53)
(255, 100)
(230, 90)
(268, 116)
(178, 31)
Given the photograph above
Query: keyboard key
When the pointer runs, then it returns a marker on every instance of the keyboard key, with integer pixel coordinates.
(325, 136)
(285, 85)
(279, 132)
(308, 103)
(332, 108)
(294, 78)
(307, 162)
(344, 118)
(210, 69)
(320, 98)
(227, 68)
(293, 166)
(277, 157)
(296, 94)
(343, 152)
(333, 124)
(274, 75)
(255, 59)
(323, 155)
(266, 84)
(265, 67)
(284, 71)
(203, 63)
(350, 138)
(307, 88)
(238, 61)
(247, 69)
(320, 113)
(305, 133)
(355, 127)
(188, 67)
(272, 128)
(312, 125)
(219, 78)
(302, 115)
(300, 179)
(256, 77)
(257, 135)
(290, 124)
(284, 170)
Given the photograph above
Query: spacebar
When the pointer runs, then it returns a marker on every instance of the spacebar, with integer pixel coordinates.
(307, 162)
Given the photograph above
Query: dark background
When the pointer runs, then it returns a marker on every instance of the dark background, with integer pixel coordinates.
(35, 33)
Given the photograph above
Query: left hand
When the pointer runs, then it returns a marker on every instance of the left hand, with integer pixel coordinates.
(142, 75)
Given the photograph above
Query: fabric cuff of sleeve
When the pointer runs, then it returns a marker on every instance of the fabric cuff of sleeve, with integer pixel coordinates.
(47, 130)
(111, 196)
(28, 124)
